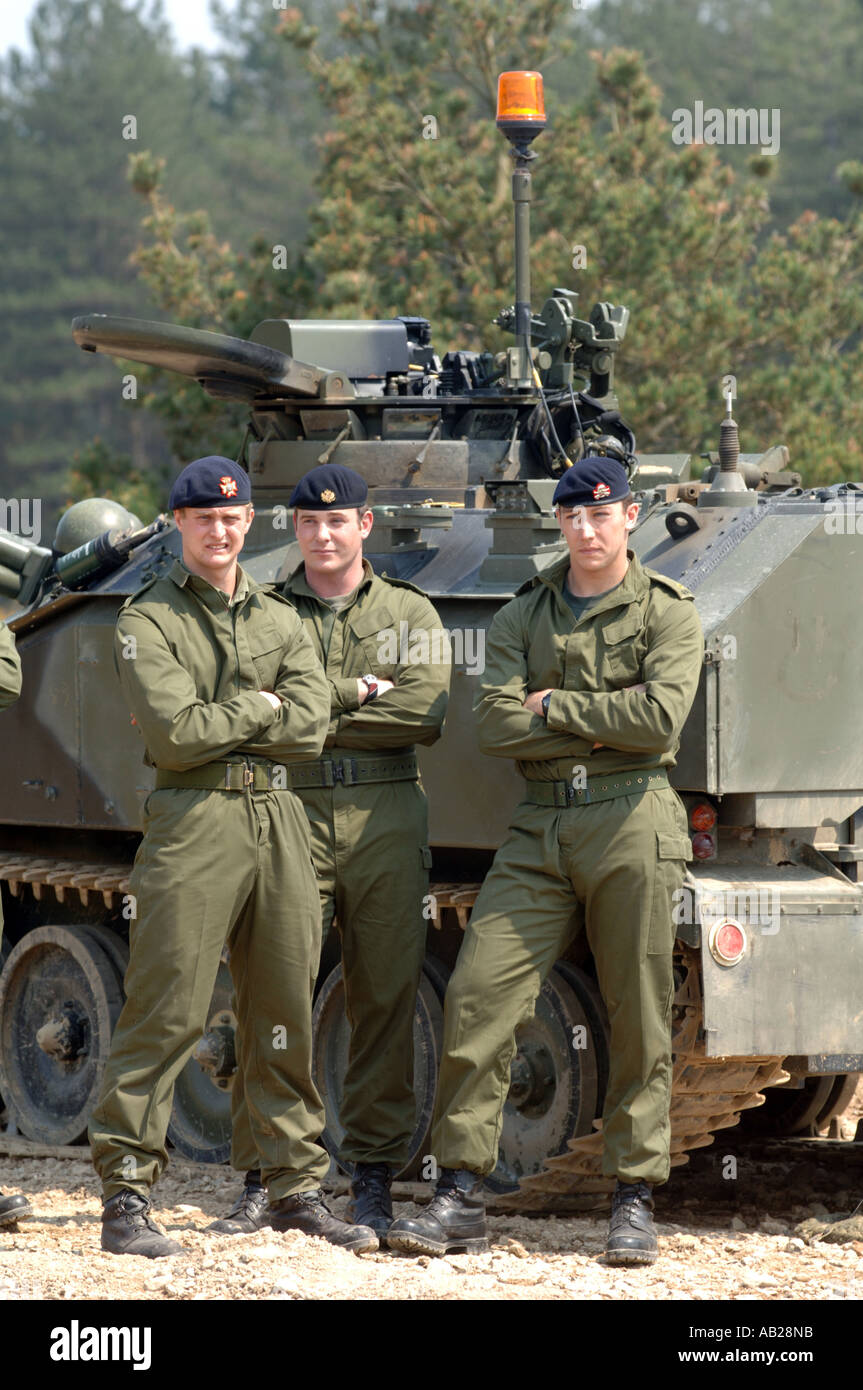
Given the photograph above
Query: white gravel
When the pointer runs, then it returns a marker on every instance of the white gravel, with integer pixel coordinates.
(707, 1252)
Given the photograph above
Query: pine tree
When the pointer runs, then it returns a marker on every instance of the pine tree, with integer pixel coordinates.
(415, 217)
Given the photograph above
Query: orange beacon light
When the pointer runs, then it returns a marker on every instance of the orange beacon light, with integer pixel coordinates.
(520, 105)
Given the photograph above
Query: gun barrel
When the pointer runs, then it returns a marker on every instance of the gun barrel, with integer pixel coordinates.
(10, 582)
(101, 556)
(23, 566)
(14, 551)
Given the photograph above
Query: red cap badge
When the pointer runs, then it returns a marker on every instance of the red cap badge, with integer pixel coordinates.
(601, 490)
(228, 486)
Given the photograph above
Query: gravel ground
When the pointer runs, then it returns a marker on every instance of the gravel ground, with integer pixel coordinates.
(753, 1230)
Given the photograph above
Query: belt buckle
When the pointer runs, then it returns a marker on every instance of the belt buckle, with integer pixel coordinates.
(338, 770)
(248, 776)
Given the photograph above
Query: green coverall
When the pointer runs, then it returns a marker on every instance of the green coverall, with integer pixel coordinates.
(10, 687)
(217, 865)
(370, 847)
(610, 866)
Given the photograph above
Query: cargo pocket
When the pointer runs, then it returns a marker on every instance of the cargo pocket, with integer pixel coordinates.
(672, 853)
(429, 902)
(153, 805)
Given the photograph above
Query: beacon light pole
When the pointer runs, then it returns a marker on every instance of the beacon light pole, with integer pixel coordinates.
(521, 117)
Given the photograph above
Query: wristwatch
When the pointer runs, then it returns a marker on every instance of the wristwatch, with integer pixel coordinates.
(545, 702)
(371, 684)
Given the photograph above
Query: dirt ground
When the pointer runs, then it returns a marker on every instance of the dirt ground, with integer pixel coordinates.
(745, 1220)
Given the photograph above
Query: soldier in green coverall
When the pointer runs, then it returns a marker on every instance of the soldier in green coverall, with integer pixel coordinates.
(590, 673)
(10, 668)
(387, 660)
(13, 1208)
(226, 689)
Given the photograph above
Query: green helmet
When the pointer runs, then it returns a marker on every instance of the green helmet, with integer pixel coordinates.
(84, 521)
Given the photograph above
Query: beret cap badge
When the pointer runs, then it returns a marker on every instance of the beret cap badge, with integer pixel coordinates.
(329, 485)
(213, 481)
(593, 481)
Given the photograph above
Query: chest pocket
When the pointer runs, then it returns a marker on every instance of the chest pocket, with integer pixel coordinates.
(623, 649)
(379, 636)
(266, 645)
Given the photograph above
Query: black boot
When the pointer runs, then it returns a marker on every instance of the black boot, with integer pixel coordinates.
(307, 1212)
(14, 1209)
(453, 1220)
(371, 1204)
(631, 1232)
(127, 1229)
(249, 1212)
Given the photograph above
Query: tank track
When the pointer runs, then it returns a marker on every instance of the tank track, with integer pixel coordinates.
(64, 876)
(112, 880)
(708, 1093)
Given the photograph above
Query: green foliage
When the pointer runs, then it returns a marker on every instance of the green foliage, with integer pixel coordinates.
(67, 233)
(415, 217)
(805, 60)
(414, 212)
(199, 280)
(416, 225)
(234, 132)
(97, 471)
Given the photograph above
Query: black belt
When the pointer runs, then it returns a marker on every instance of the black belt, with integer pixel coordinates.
(351, 772)
(564, 794)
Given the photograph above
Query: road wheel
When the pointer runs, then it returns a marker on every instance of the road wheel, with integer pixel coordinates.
(60, 997)
(200, 1126)
(557, 1077)
(331, 1040)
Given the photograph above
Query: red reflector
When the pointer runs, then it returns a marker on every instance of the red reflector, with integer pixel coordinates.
(702, 816)
(730, 941)
(727, 942)
(703, 846)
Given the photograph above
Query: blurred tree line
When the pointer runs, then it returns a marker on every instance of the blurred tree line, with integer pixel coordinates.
(236, 132)
(311, 130)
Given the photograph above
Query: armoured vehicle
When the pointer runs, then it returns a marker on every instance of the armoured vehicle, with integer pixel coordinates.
(461, 453)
